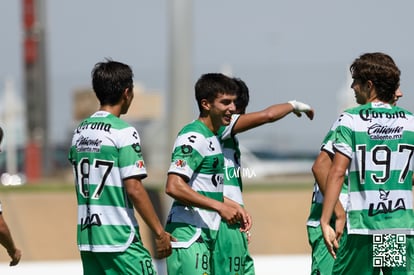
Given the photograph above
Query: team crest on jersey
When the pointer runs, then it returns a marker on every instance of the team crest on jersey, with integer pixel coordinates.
(136, 147)
(140, 164)
(180, 163)
(186, 149)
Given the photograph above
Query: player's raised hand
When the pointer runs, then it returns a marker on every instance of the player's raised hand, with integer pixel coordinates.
(300, 107)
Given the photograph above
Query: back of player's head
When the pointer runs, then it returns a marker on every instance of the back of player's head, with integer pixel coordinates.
(242, 96)
(109, 81)
(381, 70)
(1, 135)
(210, 85)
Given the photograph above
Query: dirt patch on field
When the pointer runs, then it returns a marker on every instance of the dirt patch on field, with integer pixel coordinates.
(44, 224)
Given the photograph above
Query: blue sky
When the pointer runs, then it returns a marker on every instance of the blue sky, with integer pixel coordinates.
(282, 49)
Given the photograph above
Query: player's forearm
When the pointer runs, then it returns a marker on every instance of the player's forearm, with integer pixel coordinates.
(333, 188)
(320, 169)
(255, 119)
(144, 207)
(179, 190)
(190, 197)
(6, 239)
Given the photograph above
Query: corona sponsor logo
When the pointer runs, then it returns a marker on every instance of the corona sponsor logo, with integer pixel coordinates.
(100, 126)
(370, 114)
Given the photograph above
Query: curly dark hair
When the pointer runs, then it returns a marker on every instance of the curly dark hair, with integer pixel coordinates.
(381, 69)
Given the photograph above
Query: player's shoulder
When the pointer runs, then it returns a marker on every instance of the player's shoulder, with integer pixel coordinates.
(196, 127)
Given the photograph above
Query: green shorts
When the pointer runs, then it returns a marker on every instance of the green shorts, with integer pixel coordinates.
(231, 255)
(196, 259)
(356, 256)
(322, 261)
(135, 260)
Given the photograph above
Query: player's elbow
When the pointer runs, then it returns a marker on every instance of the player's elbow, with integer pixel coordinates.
(172, 187)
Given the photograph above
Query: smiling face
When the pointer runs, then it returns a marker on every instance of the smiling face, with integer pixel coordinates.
(220, 110)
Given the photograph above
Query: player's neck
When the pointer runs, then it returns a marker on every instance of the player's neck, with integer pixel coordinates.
(115, 109)
(209, 123)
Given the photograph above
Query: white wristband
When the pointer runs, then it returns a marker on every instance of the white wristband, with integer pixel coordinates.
(299, 106)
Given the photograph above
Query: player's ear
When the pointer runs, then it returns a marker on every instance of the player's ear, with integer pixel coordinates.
(205, 104)
(370, 85)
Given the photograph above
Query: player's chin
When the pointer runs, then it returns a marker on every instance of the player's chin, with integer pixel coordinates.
(226, 121)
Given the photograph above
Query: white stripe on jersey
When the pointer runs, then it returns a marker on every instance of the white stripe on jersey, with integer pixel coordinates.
(362, 200)
(197, 217)
(108, 215)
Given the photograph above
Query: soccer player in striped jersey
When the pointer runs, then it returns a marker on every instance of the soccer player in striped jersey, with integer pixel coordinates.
(322, 261)
(108, 169)
(374, 142)
(195, 179)
(231, 255)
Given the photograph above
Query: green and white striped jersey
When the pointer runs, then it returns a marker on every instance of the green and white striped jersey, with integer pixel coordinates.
(104, 151)
(317, 197)
(378, 138)
(198, 158)
(233, 185)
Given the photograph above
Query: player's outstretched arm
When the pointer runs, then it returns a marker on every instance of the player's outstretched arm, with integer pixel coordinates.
(271, 114)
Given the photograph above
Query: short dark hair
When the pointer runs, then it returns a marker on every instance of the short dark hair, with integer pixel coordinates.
(210, 85)
(243, 96)
(381, 69)
(110, 79)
